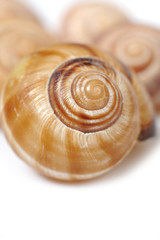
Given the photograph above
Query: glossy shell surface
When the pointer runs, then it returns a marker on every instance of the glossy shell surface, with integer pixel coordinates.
(71, 111)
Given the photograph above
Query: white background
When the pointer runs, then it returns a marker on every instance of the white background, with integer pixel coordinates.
(123, 204)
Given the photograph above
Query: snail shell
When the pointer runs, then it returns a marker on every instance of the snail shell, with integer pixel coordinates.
(18, 39)
(71, 111)
(10, 9)
(85, 22)
(139, 48)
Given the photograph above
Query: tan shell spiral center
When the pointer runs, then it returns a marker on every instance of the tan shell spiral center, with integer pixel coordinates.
(84, 95)
(89, 90)
(134, 49)
(136, 53)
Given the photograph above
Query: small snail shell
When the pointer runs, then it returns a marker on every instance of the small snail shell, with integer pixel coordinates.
(85, 22)
(139, 48)
(10, 9)
(18, 39)
(71, 111)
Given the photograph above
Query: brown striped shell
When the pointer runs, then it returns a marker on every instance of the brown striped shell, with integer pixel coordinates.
(139, 48)
(71, 111)
(86, 21)
(18, 39)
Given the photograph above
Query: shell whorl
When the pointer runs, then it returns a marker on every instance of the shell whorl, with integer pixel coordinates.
(136, 52)
(138, 47)
(71, 112)
(84, 95)
(134, 49)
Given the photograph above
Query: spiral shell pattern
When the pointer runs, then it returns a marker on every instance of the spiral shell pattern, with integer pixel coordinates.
(71, 111)
(88, 101)
(139, 48)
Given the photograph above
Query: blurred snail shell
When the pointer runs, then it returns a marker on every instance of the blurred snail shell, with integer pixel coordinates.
(10, 9)
(139, 48)
(71, 111)
(86, 21)
(18, 39)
